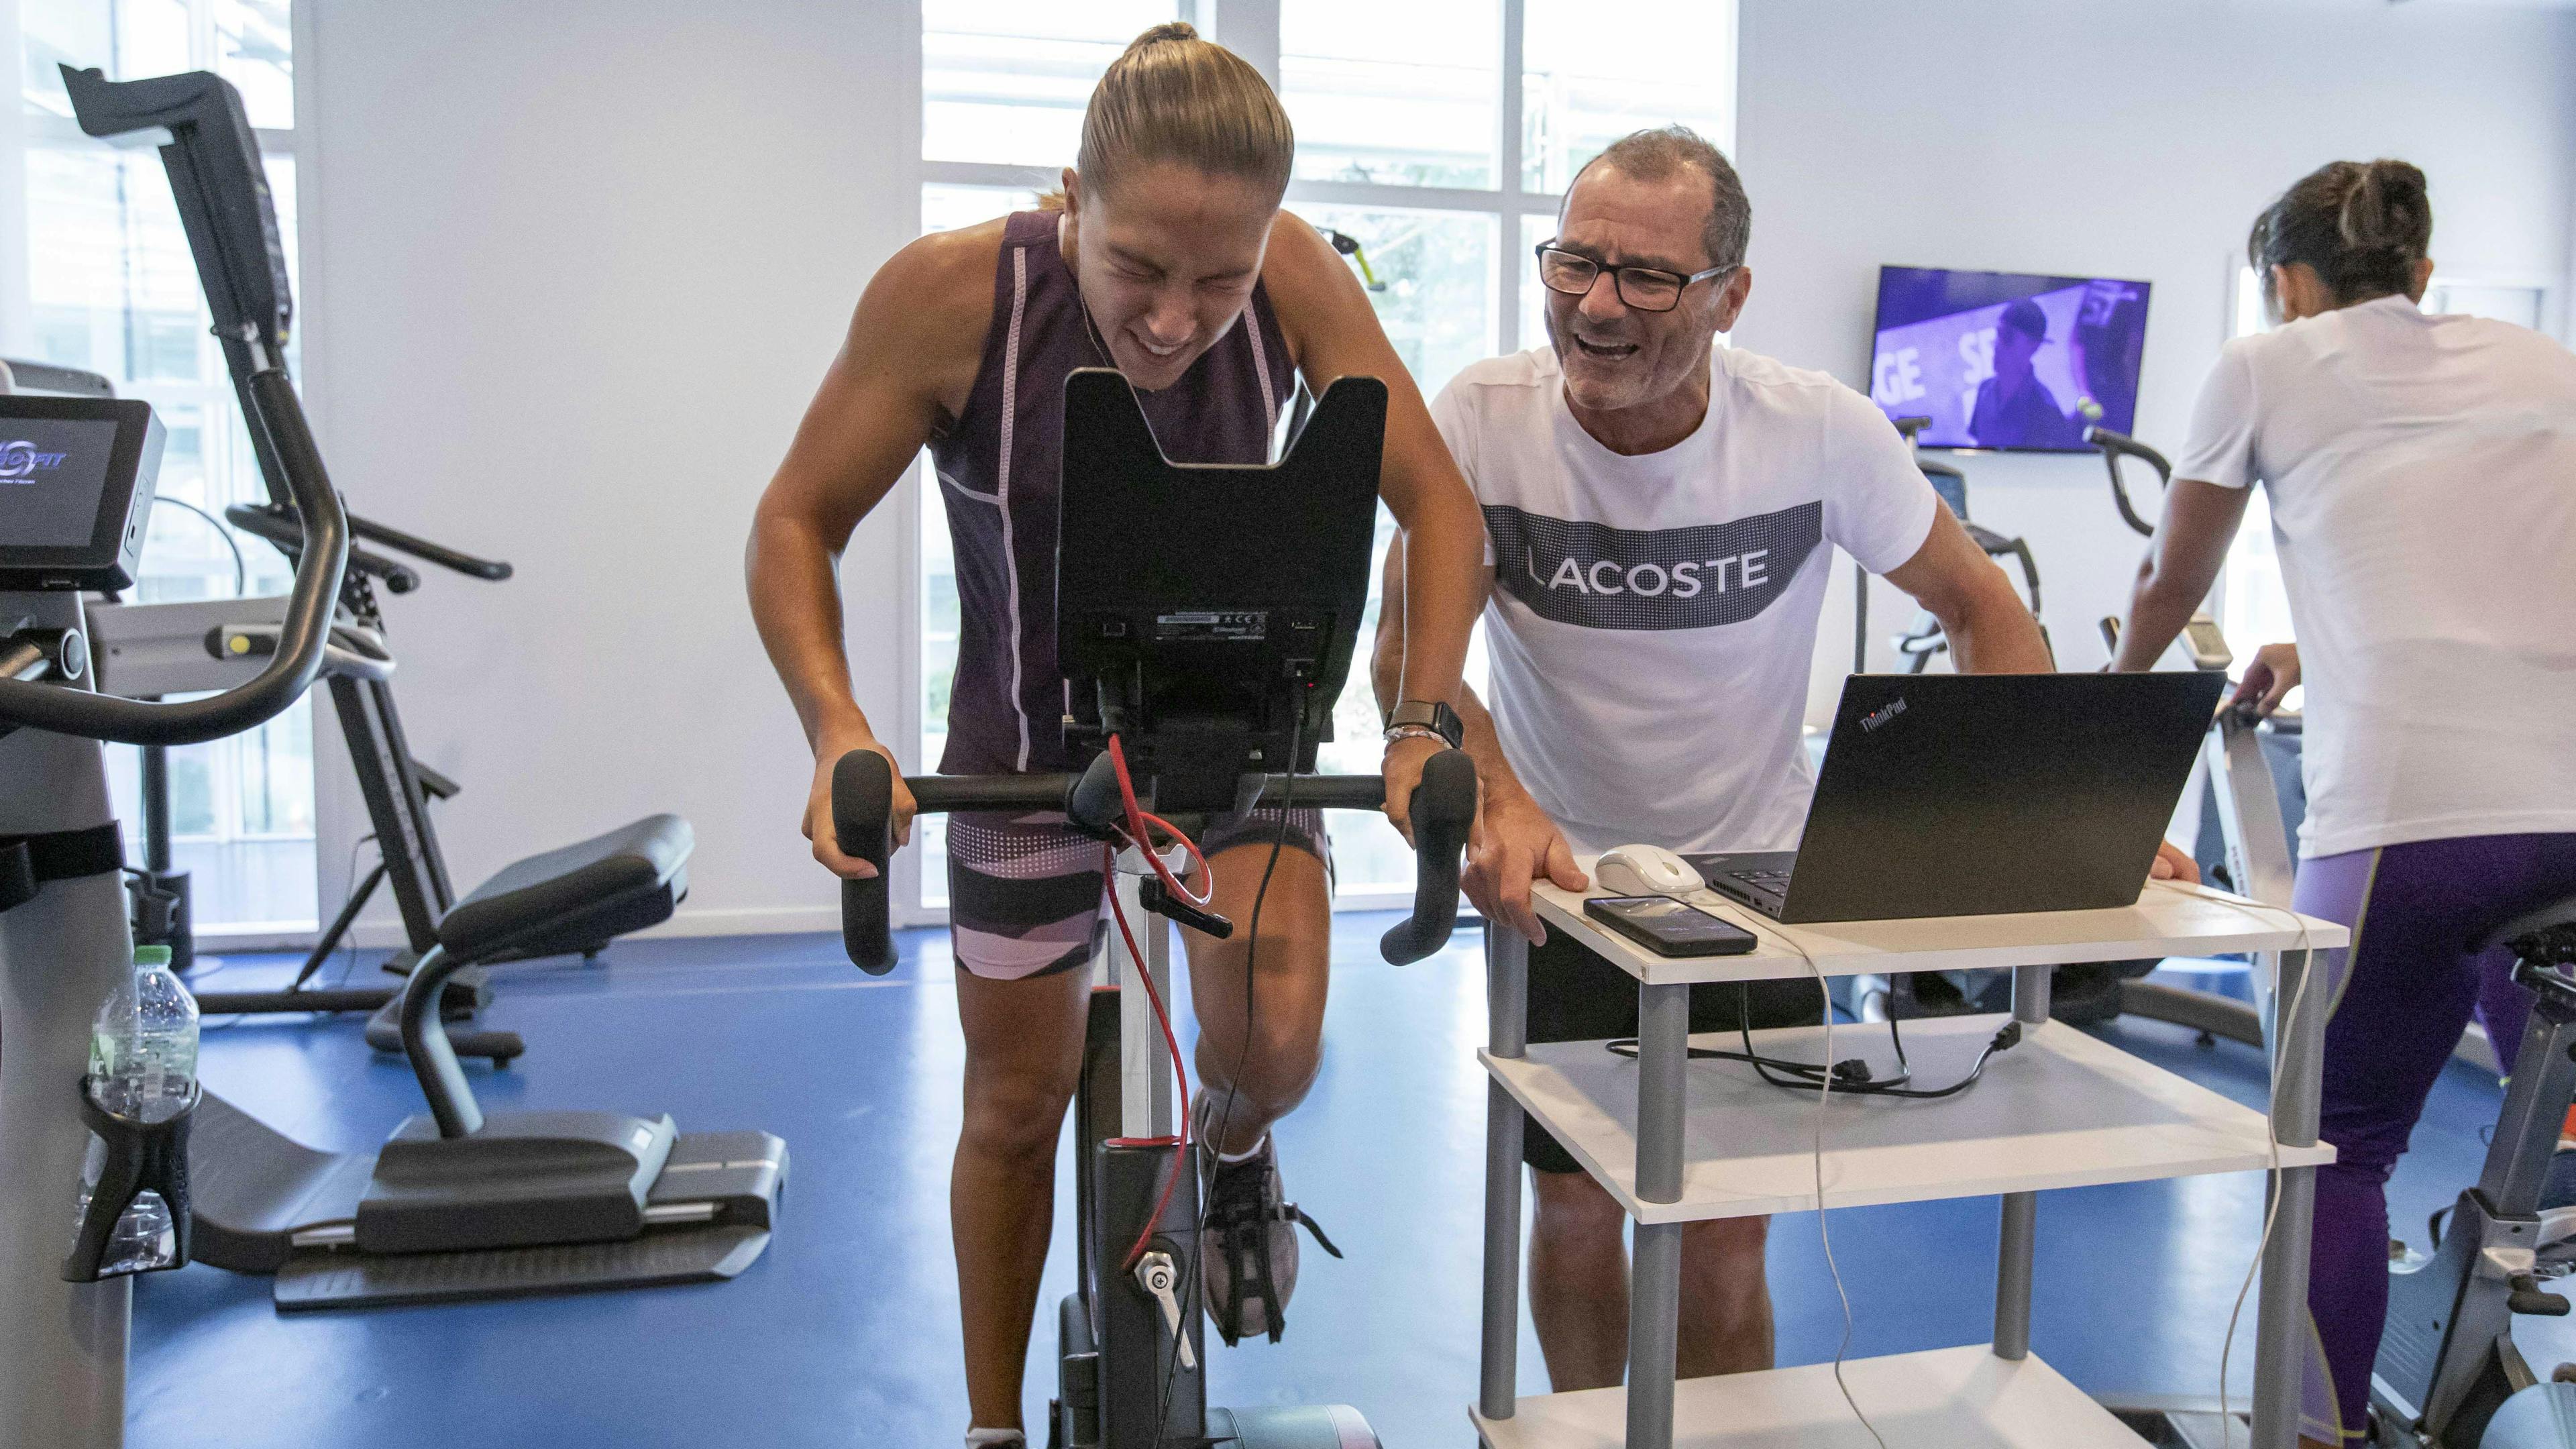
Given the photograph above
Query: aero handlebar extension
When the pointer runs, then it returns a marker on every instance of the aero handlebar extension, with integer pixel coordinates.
(1444, 806)
(2115, 446)
(302, 636)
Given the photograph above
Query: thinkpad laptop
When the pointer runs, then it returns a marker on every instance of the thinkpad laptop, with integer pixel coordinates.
(1983, 794)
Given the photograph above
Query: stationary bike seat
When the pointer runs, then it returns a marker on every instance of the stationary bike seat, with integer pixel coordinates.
(561, 900)
(2545, 937)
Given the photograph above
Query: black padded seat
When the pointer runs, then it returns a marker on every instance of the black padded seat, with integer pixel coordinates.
(576, 898)
(2555, 926)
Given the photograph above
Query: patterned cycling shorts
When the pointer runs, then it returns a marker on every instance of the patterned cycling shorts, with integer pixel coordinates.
(1025, 890)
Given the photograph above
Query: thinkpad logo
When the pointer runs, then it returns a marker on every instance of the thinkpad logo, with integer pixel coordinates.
(1882, 715)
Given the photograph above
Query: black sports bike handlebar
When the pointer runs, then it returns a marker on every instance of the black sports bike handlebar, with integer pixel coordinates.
(2116, 446)
(1444, 806)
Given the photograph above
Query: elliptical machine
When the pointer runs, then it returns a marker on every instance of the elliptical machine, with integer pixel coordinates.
(221, 195)
(454, 1206)
(1202, 660)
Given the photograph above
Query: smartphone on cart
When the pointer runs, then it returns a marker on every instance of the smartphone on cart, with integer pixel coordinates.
(1669, 927)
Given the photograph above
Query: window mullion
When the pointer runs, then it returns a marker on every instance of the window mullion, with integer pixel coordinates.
(1507, 220)
(1249, 28)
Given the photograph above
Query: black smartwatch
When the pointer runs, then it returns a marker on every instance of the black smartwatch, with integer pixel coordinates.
(1414, 716)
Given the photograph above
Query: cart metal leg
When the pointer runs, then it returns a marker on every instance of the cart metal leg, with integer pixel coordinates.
(2298, 1045)
(1507, 1005)
(1655, 1280)
(2020, 1235)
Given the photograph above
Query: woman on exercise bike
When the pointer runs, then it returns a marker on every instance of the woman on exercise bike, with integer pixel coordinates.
(2422, 474)
(1167, 257)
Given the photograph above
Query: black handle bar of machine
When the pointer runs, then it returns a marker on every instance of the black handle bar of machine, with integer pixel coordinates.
(280, 528)
(2116, 446)
(301, 637)
(1444, 806)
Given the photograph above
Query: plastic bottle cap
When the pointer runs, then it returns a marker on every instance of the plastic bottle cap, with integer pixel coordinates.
(151, 955)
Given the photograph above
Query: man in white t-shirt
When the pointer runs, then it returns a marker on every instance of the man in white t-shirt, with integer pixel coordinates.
(1659, 513)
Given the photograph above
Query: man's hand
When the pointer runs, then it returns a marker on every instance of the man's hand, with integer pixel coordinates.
(1513, 844)
(2173, 863)
(2269, 679)
(818, 807)
(1402, 770)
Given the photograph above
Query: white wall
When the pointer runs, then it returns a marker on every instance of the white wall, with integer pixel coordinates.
(575, 268)
(2109, 138)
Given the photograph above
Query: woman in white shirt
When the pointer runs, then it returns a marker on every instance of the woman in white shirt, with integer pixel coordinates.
(2422, 477)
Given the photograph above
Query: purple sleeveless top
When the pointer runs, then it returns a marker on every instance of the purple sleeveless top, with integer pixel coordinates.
(1002, 462)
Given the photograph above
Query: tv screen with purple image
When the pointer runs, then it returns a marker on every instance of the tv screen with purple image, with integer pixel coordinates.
(2007, 360)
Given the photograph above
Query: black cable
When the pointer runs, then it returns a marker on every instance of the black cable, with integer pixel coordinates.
(1225, 1115)
(1850, 1077)
(241, 571)
(349, 939)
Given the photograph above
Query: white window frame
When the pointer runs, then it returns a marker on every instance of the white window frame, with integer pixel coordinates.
(29, 129)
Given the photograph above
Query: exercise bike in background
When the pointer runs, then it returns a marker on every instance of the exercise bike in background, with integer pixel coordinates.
(1202, 656)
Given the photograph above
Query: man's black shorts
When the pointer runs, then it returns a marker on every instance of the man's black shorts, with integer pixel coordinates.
(1574, 995)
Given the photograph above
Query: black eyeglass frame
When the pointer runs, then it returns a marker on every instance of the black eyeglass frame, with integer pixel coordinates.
(1619, 277)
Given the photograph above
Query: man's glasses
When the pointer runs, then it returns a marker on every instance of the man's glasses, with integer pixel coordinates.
(1648, 289)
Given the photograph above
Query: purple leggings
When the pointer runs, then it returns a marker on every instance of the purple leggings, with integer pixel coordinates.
(2398, 1000)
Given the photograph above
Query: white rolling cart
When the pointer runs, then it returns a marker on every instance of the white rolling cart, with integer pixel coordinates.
(1676, 1140)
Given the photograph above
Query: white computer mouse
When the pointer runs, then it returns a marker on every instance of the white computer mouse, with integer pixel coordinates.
(1645, 870)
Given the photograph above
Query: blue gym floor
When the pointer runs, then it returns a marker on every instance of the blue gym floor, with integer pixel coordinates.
(845, 1333)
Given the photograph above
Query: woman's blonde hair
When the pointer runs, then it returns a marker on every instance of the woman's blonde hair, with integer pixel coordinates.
(1172, 97)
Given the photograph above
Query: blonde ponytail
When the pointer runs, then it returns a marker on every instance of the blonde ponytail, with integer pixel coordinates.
(1175, 98)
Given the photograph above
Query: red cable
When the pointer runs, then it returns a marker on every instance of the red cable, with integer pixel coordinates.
(1163, 1019)
(1136, 818)
(1142, 840)
(1206, 872)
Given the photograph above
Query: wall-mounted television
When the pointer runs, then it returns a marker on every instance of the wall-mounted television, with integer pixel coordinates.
(2007, 360)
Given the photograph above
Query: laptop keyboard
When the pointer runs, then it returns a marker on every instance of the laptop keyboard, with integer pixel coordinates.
(1777, 880)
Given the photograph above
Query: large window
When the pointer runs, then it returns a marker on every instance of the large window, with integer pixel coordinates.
(112, 289)
(1438, 135)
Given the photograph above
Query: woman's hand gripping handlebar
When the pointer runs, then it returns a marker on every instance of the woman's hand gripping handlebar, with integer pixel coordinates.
(863, 785)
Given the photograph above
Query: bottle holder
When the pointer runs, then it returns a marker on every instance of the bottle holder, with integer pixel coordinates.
(140, 1157)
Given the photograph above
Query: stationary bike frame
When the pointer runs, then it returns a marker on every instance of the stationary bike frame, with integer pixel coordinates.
(1122, 1382)
(2447, 1360)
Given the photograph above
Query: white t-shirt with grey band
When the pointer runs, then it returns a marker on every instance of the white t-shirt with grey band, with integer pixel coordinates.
(1654, 617)
(2422, 477)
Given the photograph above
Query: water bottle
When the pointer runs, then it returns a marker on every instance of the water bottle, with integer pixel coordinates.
(142, 1067)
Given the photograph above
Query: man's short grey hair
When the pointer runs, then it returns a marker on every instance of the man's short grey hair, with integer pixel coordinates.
(1653, 155)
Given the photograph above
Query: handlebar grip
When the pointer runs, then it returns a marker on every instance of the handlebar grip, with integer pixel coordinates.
(1444, 807)
(2116, 446)
(863, 824)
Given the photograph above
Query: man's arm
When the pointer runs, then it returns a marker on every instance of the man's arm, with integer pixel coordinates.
(2182, 562)
(1989, 629)
(1513, 841)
